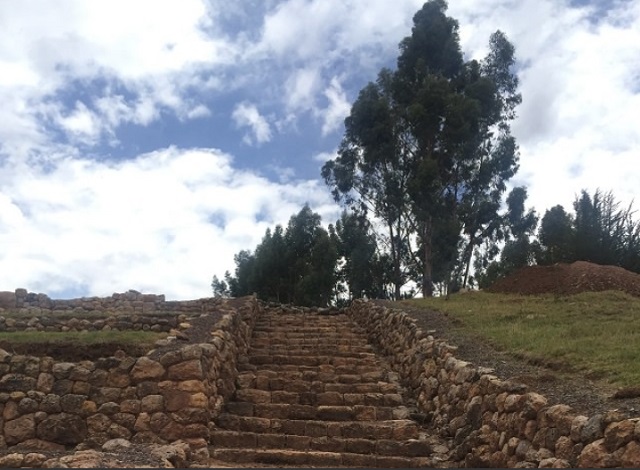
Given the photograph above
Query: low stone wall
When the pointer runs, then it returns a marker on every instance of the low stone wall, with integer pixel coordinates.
(494, 423)
(106, 322)
(172, 393)
(29, 303)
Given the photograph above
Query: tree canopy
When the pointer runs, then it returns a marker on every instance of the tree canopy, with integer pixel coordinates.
(422, 172)
(600, 231)
(428, 146)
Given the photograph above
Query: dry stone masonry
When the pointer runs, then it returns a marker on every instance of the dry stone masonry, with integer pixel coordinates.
(494, 423)
(171, 394)
(312, 391)
(275, 385)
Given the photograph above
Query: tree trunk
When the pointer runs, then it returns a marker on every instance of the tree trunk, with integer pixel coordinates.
(472, 239)
(396, 263)
(427, 278)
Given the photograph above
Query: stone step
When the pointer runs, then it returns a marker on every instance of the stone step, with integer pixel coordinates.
(309, 323)
(357, 353)
(325, 373)
(398, 429)
(306, 323)
(301, 383)
(309, 320)
(310, 342)
(292, 336)
(280, 320)
(297, 458)
(322, 387)
(366, 359)
(257, 396)
(325, 351)
(321, 347)
(317, 412)
(328, 368)
(250, 440)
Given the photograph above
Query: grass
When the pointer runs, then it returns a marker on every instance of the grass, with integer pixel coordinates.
(592, 333)
(85, 315)
(81, 337)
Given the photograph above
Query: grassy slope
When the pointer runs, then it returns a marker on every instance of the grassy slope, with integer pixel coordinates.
(595, 333)
(83, 338)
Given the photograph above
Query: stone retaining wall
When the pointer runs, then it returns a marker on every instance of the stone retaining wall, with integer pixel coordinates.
(169, 394)
(494, 423)
(112, 322)
(30, 303)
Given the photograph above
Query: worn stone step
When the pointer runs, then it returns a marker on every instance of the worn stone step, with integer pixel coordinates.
(356, 353)
(318, 382)
(297, 315)
(399, 429)
(306, 342)
(321, 349)
(309, 325)
(309, 397)
(326, 373)
(294, 319)
(250, 440)
(322, 355)
(293, 336)
(366, 359)
(317, 386)
(317, 323)
(311, 346)
(289, 457)
(333, 369)
(316, 412)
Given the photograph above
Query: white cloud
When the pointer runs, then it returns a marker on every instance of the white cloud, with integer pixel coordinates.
(84, 69)
(325, 156)
(339, 107)
(325, 30)
(144, 224)
(247, 115)
(152, 49)
(81, 123)
(199, 111)
(301, 89)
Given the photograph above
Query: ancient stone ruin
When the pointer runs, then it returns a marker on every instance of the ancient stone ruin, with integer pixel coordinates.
(239, 382)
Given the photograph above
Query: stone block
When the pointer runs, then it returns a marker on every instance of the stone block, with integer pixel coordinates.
(187, 370)
(63, 428)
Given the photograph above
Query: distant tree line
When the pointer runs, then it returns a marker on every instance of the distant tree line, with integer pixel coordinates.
(422, 172)
(599, 231)
(307, 265)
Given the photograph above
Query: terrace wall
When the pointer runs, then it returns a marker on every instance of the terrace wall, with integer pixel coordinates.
(29, 303)
(494, 423)
(171, 393)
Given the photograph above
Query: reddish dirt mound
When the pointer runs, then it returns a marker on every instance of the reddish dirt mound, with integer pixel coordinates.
(564, 279)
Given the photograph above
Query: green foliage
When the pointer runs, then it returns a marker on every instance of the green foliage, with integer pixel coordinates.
(428, 147)
(219, 287)
(358, 247)
(293, 266)
(518, 228)
(556, 237)
(600, 232)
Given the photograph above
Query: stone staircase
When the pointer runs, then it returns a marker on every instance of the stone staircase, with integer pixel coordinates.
(312, 392)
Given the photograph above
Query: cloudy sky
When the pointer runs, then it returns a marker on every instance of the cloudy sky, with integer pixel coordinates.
(144, 142)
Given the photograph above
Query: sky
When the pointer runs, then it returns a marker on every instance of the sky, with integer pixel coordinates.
(143, 143)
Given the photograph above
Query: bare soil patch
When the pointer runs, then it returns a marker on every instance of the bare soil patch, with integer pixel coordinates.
(566, 279)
